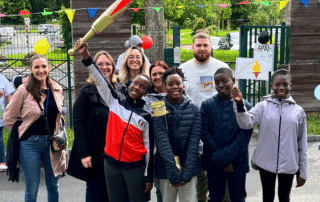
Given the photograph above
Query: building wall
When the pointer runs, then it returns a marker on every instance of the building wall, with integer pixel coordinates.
(304, 52)
(111, 40)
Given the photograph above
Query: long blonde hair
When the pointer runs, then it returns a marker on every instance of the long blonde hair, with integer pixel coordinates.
(112, 76)
(124, 74)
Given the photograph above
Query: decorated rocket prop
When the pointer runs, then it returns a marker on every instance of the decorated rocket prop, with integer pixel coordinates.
(105, 20)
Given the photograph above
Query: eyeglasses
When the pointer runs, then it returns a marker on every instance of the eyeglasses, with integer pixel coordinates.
(101, 64)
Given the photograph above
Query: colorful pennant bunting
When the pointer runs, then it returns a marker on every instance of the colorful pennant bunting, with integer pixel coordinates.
(283, 4)
(201, 6)
(305, 2)
(23, 12)
(157, 9)
(244, 2)
(223, 5)
(70, 13)
(92, 12)
(180, 6)
(46, 13)
(2, 15)
(266, 3)
(135, 9)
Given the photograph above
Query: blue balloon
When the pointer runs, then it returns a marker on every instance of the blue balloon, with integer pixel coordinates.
(317, 92)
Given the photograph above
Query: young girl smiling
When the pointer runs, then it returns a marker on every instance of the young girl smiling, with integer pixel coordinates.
(282, 144)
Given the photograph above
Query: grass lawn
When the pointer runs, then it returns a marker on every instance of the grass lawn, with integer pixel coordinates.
(30, 31)
(56, 54)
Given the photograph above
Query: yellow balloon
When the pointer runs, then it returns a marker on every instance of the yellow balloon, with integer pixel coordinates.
(42, 46)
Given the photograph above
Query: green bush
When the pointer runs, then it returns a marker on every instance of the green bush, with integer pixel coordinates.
(199, 24)
(223, 55)
(187, 24)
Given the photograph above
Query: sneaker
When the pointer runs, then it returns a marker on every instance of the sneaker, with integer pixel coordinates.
(3, 167)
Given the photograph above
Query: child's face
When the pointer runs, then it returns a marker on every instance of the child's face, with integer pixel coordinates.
(174, 87)
(138, 87)
(224, 85)
(281, 86)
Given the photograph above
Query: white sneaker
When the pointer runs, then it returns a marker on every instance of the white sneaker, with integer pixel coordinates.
(3, 167)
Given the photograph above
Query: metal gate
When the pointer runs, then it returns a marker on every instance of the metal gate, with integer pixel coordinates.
(253, 91)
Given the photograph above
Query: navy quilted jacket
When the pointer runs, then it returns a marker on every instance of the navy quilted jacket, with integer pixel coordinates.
(184, 123)
(224, 141)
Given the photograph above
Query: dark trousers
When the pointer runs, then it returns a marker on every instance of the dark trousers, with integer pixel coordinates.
(217, 185)
(124, 184)
(268, 181)
(97, 189)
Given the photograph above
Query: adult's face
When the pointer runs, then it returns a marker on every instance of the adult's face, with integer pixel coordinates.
(40, 69)
(105, 65)
(156, 76)
(135, 60)
(201, 49)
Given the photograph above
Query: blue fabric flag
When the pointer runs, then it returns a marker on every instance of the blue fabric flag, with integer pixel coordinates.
(92, 12)
(305, 2)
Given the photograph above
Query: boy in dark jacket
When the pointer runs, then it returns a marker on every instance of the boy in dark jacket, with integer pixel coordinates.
(129, 139)
(225, 155)
(177, 136)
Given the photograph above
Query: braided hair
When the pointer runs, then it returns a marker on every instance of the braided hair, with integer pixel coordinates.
(282, 70)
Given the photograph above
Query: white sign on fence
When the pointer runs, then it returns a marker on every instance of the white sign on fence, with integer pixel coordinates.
(176, 55)
(27, 21)
(264, 52)
(252, 69)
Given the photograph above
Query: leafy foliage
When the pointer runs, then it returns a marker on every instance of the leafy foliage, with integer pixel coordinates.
(200, 24)
(14, 7)
(65, 24)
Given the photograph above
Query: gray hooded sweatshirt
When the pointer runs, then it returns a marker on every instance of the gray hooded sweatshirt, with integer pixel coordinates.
(282, 141)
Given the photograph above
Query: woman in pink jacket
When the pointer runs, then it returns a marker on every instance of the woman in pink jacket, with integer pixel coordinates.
(33, 134)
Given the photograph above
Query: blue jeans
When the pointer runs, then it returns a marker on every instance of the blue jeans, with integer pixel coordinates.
(2, 150)
(32, 152)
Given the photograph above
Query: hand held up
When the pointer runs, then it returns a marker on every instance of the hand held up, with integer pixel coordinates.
(83, 50)
(236, 95)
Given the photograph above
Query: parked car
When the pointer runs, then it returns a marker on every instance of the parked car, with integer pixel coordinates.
(7, 32)
(58, 41)
(46, 28)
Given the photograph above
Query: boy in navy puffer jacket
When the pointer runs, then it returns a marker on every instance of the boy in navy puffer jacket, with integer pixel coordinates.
(225, 155)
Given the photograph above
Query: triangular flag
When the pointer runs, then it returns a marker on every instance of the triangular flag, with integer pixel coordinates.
(283, 4)
(244, 2)
(2, 15)
(157, 8)
(305, 2)
(201, 6)
(180, 6)
(135, 9)
(122, 4)
(23, 12)
(223, 5)
(70, 13)
(92, 12)
(46, 13)
(266, 3)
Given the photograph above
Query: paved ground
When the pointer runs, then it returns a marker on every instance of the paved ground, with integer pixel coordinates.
(73, 190)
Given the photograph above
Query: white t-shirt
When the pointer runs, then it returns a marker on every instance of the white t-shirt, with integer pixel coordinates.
(199, 82)
(7, 88)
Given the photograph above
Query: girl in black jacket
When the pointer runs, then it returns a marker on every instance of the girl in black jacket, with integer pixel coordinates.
(177, 137)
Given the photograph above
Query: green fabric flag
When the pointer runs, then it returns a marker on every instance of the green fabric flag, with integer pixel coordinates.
(266, 3)
(157, 8)
(46, 13)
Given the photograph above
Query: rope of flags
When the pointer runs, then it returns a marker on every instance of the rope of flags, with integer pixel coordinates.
(92, 11)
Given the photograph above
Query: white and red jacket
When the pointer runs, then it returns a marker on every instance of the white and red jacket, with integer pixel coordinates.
(129, 138)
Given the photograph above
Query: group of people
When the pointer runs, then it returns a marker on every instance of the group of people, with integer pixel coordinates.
(124, 144)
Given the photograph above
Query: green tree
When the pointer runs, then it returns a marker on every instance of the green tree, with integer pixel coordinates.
(65, 24)
(13, 7)
(137, 17)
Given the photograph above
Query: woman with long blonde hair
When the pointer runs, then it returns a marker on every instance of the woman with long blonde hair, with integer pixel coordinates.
(132, 64)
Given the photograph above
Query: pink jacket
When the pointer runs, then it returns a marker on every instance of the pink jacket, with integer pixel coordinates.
(22, 104)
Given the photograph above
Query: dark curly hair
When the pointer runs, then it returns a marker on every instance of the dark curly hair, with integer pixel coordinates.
(173, 70)
(282, 70)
